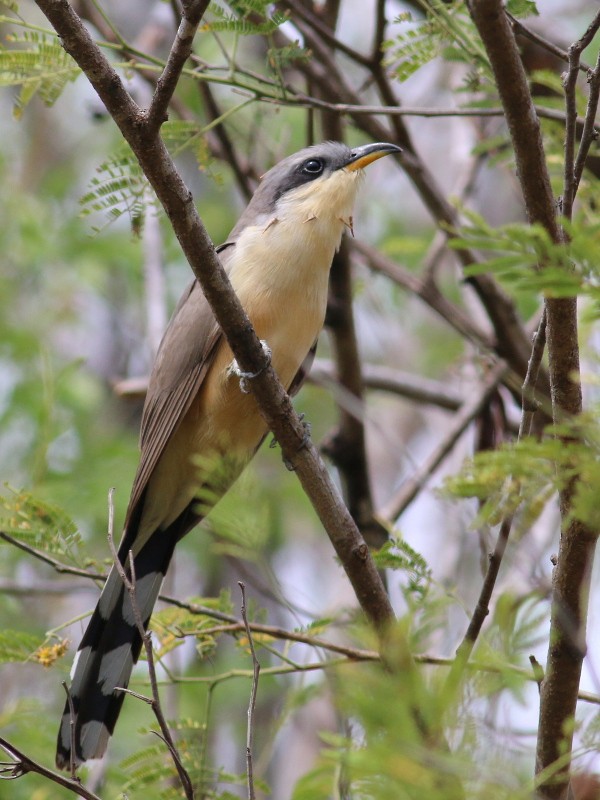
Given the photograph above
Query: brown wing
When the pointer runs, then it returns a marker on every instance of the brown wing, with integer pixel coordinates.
(184, 356)
(302, 373)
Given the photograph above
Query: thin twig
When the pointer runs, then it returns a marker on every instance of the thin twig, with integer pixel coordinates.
(495, 560)
(245, 178)
(22, 589)
(546, 44)
(570, 84)
(350, 654)
(63, 569)
(590, 131)
(410, 489)
(72, 764)
(387, 379)
(180, 52)
(23, 764)
(252, 703)
(528, 402)
(473, 665)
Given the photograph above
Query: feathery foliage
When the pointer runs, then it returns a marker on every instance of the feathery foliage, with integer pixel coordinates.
(38, 65)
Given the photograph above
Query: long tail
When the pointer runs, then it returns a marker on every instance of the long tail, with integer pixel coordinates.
(108, 651)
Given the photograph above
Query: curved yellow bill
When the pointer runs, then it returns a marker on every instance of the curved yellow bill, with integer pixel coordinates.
(362, 156)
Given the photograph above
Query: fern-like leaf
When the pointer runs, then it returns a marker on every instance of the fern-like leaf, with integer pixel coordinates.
(16, 646)
(245, 18)
(446, 31)
(40, 524)
(120, 187)
(38, 65)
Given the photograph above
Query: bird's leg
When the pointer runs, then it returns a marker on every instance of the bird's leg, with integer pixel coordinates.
(234, 369)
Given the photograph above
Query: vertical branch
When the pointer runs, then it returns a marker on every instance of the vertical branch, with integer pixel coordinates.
(571, 580)
(574, 167)
(72, 765)
(347, 446)
(590, 132)
(252, 703)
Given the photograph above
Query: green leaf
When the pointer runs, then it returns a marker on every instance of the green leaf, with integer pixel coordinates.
(41, 524)
(526, 260)
(119, 188)
(522, 8)
(39, 65)
(397, 554)
(239, 21)
(17, 646)
(318, 784)
(447, 31)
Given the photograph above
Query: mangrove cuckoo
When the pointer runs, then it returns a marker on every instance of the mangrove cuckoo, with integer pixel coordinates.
(278, 258)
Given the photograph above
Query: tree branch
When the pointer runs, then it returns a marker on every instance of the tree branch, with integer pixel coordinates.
(193, 11)
(252, 703)
(571, 580)
(428, 292)
(385, 379)
(482, 606)
(409, 490)
(274, 403)
(523, 30)
(23, 764)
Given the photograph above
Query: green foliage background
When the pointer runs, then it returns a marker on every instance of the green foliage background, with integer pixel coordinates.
(74, 206)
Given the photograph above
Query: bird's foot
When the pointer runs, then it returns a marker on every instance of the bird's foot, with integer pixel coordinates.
(244, 377)
(305, 440)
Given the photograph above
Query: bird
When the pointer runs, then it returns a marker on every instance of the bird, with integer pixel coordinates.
(200, 425)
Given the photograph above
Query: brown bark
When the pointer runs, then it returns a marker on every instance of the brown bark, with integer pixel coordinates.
(143, 138)
(571, 579)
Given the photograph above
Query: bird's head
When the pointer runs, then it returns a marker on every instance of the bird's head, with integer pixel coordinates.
(320, 180)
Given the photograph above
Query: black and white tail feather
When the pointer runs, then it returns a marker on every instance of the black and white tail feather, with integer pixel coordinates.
(111, 646)
(192, 344)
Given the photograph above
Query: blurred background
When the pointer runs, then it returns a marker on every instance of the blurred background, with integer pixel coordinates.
(89, 275)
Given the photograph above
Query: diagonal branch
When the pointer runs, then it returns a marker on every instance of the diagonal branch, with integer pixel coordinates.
(495, 559)
(273, 401)
(471, 409)
(22, 764)
(180, 52)
(534, 37)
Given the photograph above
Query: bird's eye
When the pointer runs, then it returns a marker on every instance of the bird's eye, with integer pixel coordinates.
(314, 166)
